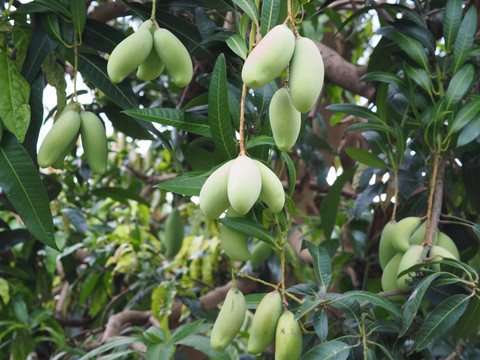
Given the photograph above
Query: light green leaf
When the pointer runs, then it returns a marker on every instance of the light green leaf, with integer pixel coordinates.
(110, 345)
(451, 21)
(260, 140)
(459, 85)
(465, 115)
(236, 43)
(202, 343)
(464, 40)
(270, 13)
(249, 8)
(21, 183)
(4, 291)
(321, 264)
(330, 350)
(250, 227)
(186, 330)
(186, 185)
(366, 158)
(79, 15)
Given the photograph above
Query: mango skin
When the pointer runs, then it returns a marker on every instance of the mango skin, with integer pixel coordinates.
(410, 258)
(234, 242)
(447, 243)
(403, 230)
(272, 192)
(386, 250)
(307, 74)
(129, 54)
(260, 252)
(229, 320)
(63, 131)
(244, 184)
(151, 68)
(173, 233)
(389, 276)
(265, 322)
(213, 199)
(269, 58)
(174, 55)
(418, 236)
(285, 120)
(94, 141)
(288, 338)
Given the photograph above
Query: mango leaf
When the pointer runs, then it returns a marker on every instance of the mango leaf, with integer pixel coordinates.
(186, 185)
(186, 330)
(420, 76)
(419, 32)
(292, 173)
(51, 24)
(249, 8)
(465, 115)
(374, 299)
(469, 132)
(459, 85)
(202, 343)
(260, 140)
(366, 158)
(14, 98)
(322, 265)
(464, 40)
(77, 218)
(250, 227)
(36, 118)
(270, 13)
(100, 36)
(45, 5)
(330, 350)
(384, 77)
(219, 112)
(79, 14)
(119, 194)
(236, 43)
(21, 183)
(357, 110)
(440, 320)
(373, 127)
(320, 324)
(111, 345)
(451, 21)
(469, 322)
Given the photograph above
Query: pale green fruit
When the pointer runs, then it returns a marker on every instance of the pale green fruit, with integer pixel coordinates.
(229, 320)
(269, 58)
(264, 322)
(213, 198)
(440, 253)
(447, 243)
(403, 230)
(410, 258)
(418, 236)
(148, 25)
(288, 338)
(173, 233)
(129, 54)
(389, 275)
(386, 251)
(260, 252)
(94, 141)
(151, 68)
(234, 242)
(285, 119)
(58, 164)
(174, 55)
(244, 184)
(63, 131)
(306, 74)
(272, 192)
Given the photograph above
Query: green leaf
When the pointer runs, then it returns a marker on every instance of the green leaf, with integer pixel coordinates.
(384, 77)
(186, 330)
(373, 127)
(51, 24)
(236, 43)
(270, 13)
(79, 14)
(14, 97)
(110, 345)
(465, 115)
(119, 194)
(250, 227)
(469, 322)
(320, 324)
(366, 158)
(321, 264)
(374, 299)
(202, 343)
(100, 36)
(219, 112)
(249, 8)
(21, 183)
(460, 85)
(117, 355)
(77, 218)
(464, 41)
(330, 350)
(51, 5)
(259, 141)
(451, 21)
(357, 110)
(328, 209)
(292, 173)
(469, 132)
(440, 320)
(159, 351)
(191, 122)
(420, 76)
(186, 185)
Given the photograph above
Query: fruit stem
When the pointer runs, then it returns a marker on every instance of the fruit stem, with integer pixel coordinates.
(282, 287)
(234, 281)
(395, 191)
(291, 19)
(154, 10)
(75, 67)
(242, 121)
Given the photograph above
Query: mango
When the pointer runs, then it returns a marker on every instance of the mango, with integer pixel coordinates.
(151, 68)
(213, 199)
(129, 54)
(244, 184)
(447, 243)
(386, 250)
(173, 233)
(234, 242)
(403, 230)
(174, 55)
(63, 131)
(410, 258)
(260, 252)
(58, 164)
(94, 142)
(288, 338)
(418, 236)
(389, 275)
(285, 119)
(272, 193)
(269, 58)
(306, 74)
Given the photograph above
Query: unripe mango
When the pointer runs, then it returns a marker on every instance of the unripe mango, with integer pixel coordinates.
(389, 275)
(403, 230)
(151, 68)
(174, 55)
(288, 338)
(410, 258)
(260, 252)
(447, 243)
(264, 322)
(244, 184)
(213, 198)
(439, 253)
(94, 141)
(269, 58)
(418, 236)
(285, 119)
(63, 131)
(234, 242)
(272, 192)
(229, 320)
(306, 74)
(386, 250)
(173, 233)
(58, 164)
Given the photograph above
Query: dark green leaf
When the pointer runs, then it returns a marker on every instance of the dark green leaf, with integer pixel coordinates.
(374, 299)
(308, 304)
(384, 77)
(249, 8)
(372, 126)
(119, 194)
(469, 132)
(464, 40)
(20, 181)
(469, 322)
(79, 15)
(186, 185)
(236, 43)
(464, 115)
(292, 173)
(320, 324)
(219, 112)
(202, 343)
(100, 36)
(357, 110)
(451, 21)
(366, 158)
(52, 25)
(420, 76)
(270, 13)
(76, 217)
(50, 5)
(321, 265)
(186, 330)
(250, 227)
(459, 85)
(330, 350)
(36, 118)
(419, 32)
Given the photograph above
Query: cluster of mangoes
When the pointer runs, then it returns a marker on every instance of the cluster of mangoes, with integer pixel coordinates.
(150, 50)
(269, 322)
(401, 248)
(63, 135)
(277, 50)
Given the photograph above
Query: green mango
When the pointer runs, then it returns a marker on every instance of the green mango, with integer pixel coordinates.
(94, 142)
(285, 119)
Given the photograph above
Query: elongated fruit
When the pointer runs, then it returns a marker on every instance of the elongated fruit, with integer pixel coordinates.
(272, 192)
(94, 141)
(151, 68)
(173, 233)
(269, 58)
(306, 74)
(260, 252)
(174, 55)
(439, 253)
(129, 54)
(288, 338)
(229, 320)
(285, 119)
(410, 258)
(389, 275)
(213, 195)
(244, 184)
(234, 242)
(403, 230)
(63, 131)
(264, 322)
(447, 243)
(386, 251)
(58, 164)
(418, 236)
